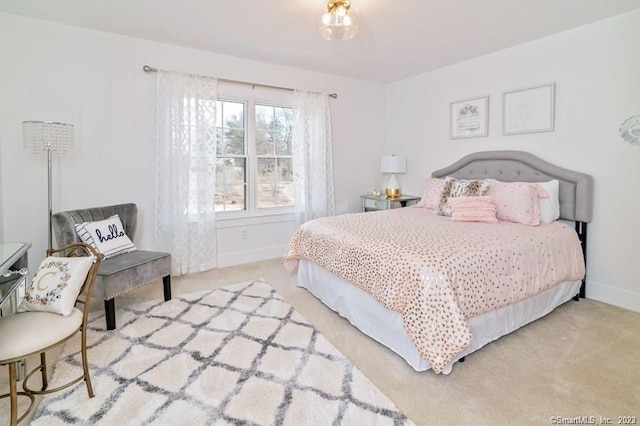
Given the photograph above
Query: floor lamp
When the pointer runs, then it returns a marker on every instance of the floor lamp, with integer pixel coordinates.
(53, 139)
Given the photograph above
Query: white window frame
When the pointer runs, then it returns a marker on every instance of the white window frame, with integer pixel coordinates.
(251, 96)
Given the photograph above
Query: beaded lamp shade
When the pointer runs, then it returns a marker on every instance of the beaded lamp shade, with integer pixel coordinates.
(44, 136)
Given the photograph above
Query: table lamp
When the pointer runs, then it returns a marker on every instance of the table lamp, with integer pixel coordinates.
(392, 164)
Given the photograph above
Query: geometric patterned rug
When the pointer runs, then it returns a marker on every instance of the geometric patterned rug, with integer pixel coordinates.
(234, 355)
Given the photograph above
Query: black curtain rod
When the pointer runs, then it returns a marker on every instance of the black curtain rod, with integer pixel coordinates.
(147, 68)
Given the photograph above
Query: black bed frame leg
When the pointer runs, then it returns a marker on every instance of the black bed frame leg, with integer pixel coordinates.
(581, 230)
(166, 284)
(110, 313)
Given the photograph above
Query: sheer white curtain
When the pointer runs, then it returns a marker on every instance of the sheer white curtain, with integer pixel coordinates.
(186, 170)
(312, 156)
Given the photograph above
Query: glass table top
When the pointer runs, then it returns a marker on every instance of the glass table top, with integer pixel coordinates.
(10, 253)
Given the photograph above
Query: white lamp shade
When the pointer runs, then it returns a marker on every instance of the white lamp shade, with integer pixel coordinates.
(393, 164)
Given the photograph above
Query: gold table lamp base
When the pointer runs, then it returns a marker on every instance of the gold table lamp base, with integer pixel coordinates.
(393, 193)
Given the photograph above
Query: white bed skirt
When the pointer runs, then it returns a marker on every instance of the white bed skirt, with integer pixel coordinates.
(385, 325)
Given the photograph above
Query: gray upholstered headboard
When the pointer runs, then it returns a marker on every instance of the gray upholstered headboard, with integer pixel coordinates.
(576, 189)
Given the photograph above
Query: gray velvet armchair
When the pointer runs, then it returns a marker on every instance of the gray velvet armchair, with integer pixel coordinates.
(123, 272)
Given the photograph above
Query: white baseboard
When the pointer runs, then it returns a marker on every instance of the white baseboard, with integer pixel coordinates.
(613, 296)
(247, 256)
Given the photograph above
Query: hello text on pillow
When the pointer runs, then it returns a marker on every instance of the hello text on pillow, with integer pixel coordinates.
(106, 236)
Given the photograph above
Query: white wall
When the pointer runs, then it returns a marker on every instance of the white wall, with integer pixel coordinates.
(596, 69)
(95, 81)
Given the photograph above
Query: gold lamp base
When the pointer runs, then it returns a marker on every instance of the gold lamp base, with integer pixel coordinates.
(393, 193)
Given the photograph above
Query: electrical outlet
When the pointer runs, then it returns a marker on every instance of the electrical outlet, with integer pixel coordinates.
(244, 234)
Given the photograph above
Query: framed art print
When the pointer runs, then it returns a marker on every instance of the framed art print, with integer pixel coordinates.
(529, 110)
(470, 118)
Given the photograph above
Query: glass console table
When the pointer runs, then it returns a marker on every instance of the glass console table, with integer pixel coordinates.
(13, 282)
(13, 275)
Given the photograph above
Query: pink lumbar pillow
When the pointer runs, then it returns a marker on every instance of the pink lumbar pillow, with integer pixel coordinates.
(473, 209)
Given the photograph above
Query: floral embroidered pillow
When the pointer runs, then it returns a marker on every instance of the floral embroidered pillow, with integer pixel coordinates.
(106, 236)
(459, 188)
(56, 285)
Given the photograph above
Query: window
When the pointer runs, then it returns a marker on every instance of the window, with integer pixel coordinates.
(273, 156)
(231, 165)
(254, 170)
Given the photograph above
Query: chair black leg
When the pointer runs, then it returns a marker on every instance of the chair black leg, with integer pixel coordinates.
(43, 370)
(110, 313)
(166, 283)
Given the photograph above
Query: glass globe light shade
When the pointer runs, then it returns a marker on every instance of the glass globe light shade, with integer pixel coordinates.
(339, 23)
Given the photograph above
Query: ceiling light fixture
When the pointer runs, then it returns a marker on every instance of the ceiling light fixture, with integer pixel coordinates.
(339, 20)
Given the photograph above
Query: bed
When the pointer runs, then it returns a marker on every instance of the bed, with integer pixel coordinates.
(443, 289)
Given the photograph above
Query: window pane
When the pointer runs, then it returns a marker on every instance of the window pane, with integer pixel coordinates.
(233, 114)
(234, 141)
(264, 127)
(282, 131)
(230, 125)
(230, 184)
(285, 169)
(234, 170)
(266, 170)
(234, 198)
(285, 194)
(275, 183)
(264, 117)
(266, 195)
(285, 189)
(264, 143)
(275, 194)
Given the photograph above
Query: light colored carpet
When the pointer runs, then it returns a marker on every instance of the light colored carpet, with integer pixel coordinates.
(582, 359)
(235, 355)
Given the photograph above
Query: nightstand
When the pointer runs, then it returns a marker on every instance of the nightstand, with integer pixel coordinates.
(371, 203)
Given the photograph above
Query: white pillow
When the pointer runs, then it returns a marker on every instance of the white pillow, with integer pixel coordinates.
(106, 236)
(550, 206)
(56, 285)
